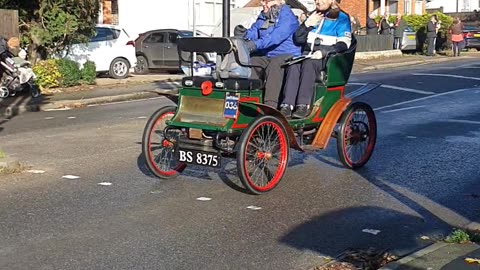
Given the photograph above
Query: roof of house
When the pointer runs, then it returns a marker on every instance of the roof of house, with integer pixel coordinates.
(291, 3)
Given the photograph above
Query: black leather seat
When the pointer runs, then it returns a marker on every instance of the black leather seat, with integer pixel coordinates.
(348, 56)
(243, 84)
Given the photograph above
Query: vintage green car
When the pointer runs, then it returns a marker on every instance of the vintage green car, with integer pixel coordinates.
(223, 118)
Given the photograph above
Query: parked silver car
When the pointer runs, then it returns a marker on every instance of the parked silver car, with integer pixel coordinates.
(409, 41)
(158, 49)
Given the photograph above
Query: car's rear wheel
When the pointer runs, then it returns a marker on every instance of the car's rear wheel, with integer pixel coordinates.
(142, 65)
(119, 68)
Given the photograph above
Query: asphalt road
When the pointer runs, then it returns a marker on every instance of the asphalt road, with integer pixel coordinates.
(421, 181)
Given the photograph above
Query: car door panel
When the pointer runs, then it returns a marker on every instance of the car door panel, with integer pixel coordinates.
(170, 51)
(153, 48)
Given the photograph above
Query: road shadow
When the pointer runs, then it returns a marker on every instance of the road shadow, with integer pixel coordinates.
(337, 234)
(15, 105)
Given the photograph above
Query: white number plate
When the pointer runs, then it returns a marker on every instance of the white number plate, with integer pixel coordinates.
(198, 158)
(231, 106)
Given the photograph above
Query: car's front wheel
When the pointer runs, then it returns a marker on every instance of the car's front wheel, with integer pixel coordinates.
(119, 68)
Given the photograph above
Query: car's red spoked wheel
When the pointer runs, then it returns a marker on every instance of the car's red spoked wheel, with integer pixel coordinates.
(158, 150)
(262, 157)
(357, 135)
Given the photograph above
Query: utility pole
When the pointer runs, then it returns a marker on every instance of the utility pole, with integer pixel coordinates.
(226, 18)
(194, 27)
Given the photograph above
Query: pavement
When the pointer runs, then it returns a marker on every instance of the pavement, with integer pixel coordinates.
(440, 256)
(422, 180)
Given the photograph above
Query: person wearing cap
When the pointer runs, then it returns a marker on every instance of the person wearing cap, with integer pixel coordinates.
(270, 40)
(325, 31)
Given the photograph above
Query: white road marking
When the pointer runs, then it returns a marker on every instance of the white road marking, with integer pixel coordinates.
(105, 184)
(49, 118)
(463, 121)
(404, 109)
(425, 98)
(204, 199)
(411, 137)
(407, 89)
(142, 117)
(36, 171)
(253, 207)
(448, 75)
(371, 231)
(71, 117)
(398, 88)
(70, 177)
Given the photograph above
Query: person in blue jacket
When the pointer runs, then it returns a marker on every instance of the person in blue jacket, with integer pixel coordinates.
(270, 39)
(325, 31)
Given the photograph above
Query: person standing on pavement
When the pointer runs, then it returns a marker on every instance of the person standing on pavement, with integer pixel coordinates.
(270, 38)
(372, 27)
(432, 35)
(384, 25)
(456, 30)
(400, 26)
(326, 30)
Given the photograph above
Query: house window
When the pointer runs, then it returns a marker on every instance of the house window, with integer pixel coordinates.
(466, 6)
(419, 7)
(407, 8)
(393, 6)
(209, 8)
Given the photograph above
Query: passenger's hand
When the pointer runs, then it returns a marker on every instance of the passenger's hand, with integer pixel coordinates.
(239, 31)
(317, 55)
(251, 46)
(313, 19)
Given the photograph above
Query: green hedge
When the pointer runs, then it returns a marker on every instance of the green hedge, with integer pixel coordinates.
(54, 73)
(419, 22)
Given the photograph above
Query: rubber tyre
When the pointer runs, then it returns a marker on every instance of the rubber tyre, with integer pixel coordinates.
(119, 63)
(345, 128)
(284, 148)
(142, 65)
(158, 118)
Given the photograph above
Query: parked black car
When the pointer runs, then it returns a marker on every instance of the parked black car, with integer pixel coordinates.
(471, 34)
(158, 49)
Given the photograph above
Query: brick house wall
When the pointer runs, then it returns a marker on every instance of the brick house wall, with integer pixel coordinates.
(110, 11)
(357, 9)
(107, 11)
(362, 8)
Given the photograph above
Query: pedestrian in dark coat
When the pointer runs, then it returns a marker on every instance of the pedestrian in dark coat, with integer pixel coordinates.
(384, 26)
(431, 35)
(372, 27)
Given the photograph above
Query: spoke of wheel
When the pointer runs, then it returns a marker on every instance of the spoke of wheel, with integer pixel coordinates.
(268, 173)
